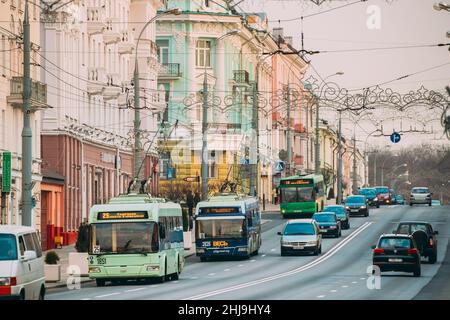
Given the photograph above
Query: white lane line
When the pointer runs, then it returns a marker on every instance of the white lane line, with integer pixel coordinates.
(273, 250)
(344, 286)
(354, 282)
(194, 278)
(362, 278)
(307, 266)
(321, 296)
(134, 290)
(176, 281)
(252, 260)
(226, 270)
(263, 255)
(211, 274)
(86, 299)
(108, 295)
(241, 265)
(333, 291)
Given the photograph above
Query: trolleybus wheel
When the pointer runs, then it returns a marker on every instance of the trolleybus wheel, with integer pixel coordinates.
(100, 282)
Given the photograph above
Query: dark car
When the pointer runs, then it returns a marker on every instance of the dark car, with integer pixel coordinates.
(400, 199)
(357, 205)
(328, 223)
(393, 196)
(397, 252)
(383, 195)
(341, 214)
(371, 195)
(427, 246)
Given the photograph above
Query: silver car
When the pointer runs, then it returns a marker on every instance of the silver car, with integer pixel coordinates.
(301, 235)
(420, 195)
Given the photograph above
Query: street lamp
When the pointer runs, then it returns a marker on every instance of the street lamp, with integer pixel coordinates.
(137, 151)
(395, 169)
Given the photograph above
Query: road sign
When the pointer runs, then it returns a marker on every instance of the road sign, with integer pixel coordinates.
(395, 137)
(6, 172)
(192, 179)
(280, 166)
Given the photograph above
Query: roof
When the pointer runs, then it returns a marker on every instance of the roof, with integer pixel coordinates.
(334, 206)
(13, 229)
(324, 213)
(396, 235)
(300, 221)
(413, 222)
(52, 177)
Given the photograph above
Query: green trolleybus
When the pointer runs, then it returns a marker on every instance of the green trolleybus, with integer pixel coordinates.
(302, 196)
(135, 237)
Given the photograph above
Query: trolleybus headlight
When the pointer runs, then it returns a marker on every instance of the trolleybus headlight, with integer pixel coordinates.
(242, 249)
(152, 268)
(94, 270)
(283, 211)
(200, 250)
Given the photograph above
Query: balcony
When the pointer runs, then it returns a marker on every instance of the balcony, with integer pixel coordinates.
(299, 128)
(96, 20)
(241, 77)
(97, 80)
(110, 34)
(112, 90)
(126, 94)
(169, 71)
(126, 45)
(38, 94)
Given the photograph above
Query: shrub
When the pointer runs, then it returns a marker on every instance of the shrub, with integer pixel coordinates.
(51, 257)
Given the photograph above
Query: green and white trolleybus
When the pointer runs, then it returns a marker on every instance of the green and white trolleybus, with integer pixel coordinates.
(135, 237)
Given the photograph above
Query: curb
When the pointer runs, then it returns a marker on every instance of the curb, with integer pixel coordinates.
(62, 285)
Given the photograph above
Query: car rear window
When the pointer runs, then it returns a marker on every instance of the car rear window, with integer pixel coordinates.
(325, 217)
(394, 243)
(298, 229)
(419, 190)
(8, 247)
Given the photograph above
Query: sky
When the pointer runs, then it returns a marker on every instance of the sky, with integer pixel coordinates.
(402, 23)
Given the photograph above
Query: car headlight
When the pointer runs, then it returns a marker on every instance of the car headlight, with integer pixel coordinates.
(363, 207)
(333, 227)
(94, 270)
(285, 243)
(152, 268)
(311, 243)
(375, 199)
(347, 207)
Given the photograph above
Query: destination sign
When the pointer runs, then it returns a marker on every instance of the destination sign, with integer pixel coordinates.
(122, 215)
(297, 181)
(220, 210)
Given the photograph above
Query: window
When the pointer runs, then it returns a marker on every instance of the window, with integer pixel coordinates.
(203, 53)
(212, 165)
(163, 52)
(21, 246)
(37, 245)
(29, 242)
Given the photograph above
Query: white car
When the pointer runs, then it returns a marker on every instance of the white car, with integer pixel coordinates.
(420, 195)
(21, 264)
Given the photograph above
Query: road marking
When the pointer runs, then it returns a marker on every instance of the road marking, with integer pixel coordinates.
(86, 299)
(194, 278)
(211, 274)
(354, 282)
(344, 286)
(176, 281)
(273, 249)
(241, 265)
(321, 296)
(307, 266)
(263, 255)
(252, 260)
(362, 278)
(108, 295)
(134, 290)
(333, 291)
(226, 270)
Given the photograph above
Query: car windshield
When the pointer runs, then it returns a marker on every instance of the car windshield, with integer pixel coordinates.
(394, 243)
(299, 229)
(340, 211)
(368, 192)
(324, 217)
(124, 237)
(220, 228)
(8, 247)
(355, 200)
(382, 190)
(419, 190)
(297, 194)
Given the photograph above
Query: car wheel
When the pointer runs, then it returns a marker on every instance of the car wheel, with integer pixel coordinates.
(429, 204)
(203, 259)
(100, 282)
(320, 249)
(410, 204)
(432, 259)
(417, 272)
(42, 293)
(283, 253)
(176, 275)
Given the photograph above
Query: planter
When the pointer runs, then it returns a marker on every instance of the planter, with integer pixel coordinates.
(187, 239)
(52, 272)
(80, 260)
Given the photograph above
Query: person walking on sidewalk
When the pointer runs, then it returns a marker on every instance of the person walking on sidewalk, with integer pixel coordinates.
(190, 202)
(197, 199)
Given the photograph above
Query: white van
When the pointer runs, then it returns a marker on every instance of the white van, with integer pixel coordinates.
(21, 264)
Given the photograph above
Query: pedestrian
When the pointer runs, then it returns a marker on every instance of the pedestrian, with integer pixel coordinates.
(197, 199)
(190, 202)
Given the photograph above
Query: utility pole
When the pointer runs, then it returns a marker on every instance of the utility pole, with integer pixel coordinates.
(255, 143)
(205, 140)
(374, 170)
(137, 125)
(27, 183)
(288, 132)
(355, 178)
(339, 169)
(316, 142)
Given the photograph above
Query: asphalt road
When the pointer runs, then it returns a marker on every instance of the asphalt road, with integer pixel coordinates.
(338, 273)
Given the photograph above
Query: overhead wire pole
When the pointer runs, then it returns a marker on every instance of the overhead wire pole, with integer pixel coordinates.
(205, 140)
(354, 176)
(339, 169)
(27, 133)
(288, 131)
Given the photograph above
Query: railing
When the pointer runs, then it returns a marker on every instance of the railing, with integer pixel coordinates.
(38, 90)
(169, 70)
(241, 76)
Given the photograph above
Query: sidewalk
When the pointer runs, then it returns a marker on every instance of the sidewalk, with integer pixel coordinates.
(270, 208)
(63, 254)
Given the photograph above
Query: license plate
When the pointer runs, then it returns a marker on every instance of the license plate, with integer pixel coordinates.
(395, 260)
(354, 210)
(324, 230)
(299, 247)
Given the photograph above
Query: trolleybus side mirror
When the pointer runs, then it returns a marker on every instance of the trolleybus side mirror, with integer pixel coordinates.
(279, 233)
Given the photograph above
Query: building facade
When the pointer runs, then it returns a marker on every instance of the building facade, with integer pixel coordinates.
(11, 104)
(88, 63)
